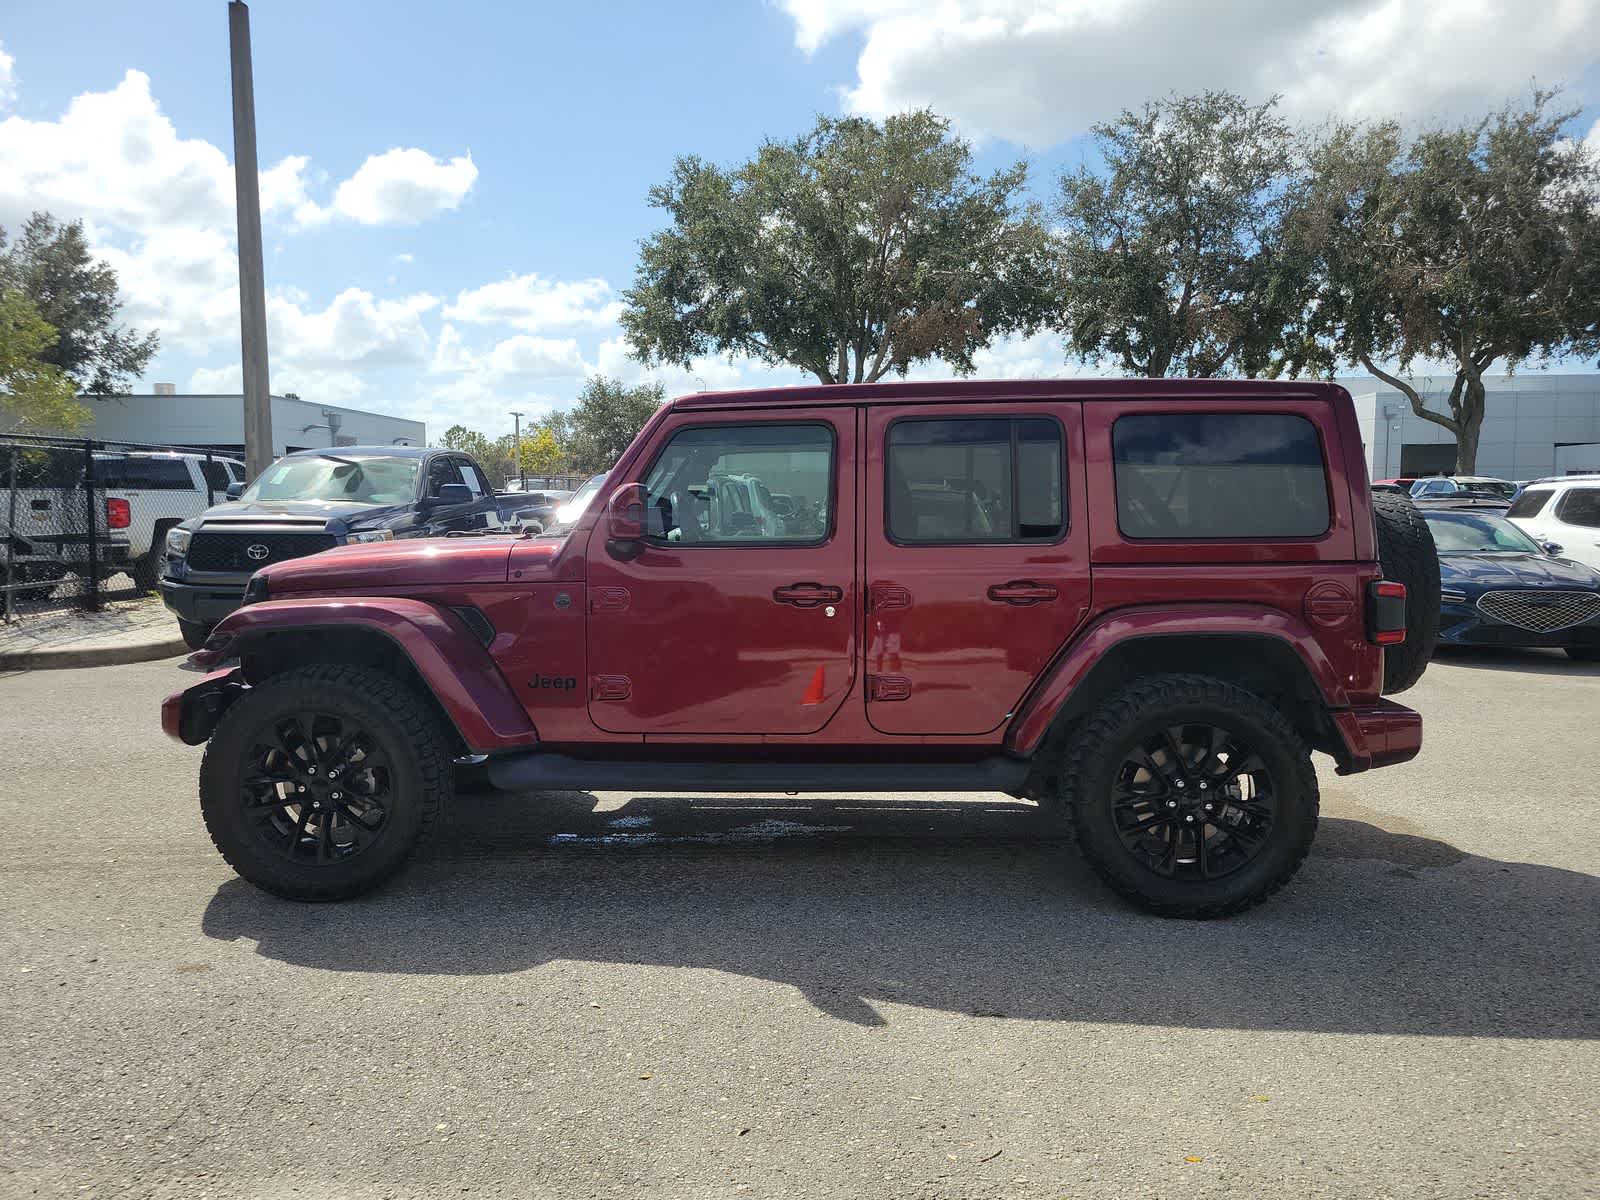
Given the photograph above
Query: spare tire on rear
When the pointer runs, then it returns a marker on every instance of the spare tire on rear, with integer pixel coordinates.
(1407, 555)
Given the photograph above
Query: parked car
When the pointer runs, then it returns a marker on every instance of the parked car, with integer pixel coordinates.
(1172, 596)
(1403, 482)
(163, 489)
(1564, 510)
(537, 510)
(1393, 489)
(313, 500)
(567, 513)
(1481, 486)
(1498, 588)
(543, 483)
(45, 518)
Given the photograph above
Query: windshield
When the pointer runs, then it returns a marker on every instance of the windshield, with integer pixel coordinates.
(567, 515)
(1475, 533)
(1498, 489)
(338, 480)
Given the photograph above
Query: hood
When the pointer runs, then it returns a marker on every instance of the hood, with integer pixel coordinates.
(344, 512)
(1514, 570)
(394, 566)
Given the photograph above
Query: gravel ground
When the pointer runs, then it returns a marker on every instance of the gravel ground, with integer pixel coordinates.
(622, 995)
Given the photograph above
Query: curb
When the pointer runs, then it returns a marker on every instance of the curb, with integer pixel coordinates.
(92, 656)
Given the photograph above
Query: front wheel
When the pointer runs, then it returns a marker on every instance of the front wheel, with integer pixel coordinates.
(1189, 796)
(318, 783)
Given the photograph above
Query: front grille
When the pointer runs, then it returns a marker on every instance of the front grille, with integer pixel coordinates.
(1540, 611)
(232, 551)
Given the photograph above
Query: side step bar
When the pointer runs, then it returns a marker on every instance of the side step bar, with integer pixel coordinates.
(535, 771)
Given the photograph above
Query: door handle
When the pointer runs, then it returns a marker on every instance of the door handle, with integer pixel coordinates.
(1023, 592)
(808, 595)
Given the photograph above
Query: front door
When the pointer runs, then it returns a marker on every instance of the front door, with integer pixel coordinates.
(739, 616)
(976, 557)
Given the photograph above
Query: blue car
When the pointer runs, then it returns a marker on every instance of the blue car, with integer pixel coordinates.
(1500, 588)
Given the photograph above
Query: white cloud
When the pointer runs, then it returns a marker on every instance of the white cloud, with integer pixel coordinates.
(1040, 71)
(405, 259)
(530, 357)
(216, 381)
(8, 79)
(355, 330)
(401, 187)
(534, 303)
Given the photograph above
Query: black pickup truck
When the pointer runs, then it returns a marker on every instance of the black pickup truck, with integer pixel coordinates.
(313, 500)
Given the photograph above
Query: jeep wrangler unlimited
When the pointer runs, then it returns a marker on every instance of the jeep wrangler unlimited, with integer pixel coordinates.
(1144, 602)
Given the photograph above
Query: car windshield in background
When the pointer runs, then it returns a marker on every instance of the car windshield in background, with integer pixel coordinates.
(1475, 533)
(337, 480)
(569, 512)
(1493, 489)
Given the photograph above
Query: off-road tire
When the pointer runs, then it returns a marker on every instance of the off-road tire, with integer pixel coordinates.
(1097, 748)
(421, 777)
(1407, 555)
(194, 633)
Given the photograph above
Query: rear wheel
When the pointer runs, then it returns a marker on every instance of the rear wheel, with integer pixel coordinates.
(317, 784)
(1190, 797)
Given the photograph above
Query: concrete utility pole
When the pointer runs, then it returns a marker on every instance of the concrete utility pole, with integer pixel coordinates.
(252, 280)
(516, 440)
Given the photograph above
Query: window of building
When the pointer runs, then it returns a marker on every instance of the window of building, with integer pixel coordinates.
(983, 479)
(1219, 475)
(732, 484)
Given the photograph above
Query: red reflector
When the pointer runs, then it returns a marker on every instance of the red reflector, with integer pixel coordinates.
(118, 515)
(1389, 637)
(1388, 588)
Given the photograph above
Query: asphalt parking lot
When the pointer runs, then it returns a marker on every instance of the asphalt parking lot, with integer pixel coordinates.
(703, 997)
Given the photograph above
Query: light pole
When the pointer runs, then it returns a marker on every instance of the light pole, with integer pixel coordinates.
(252, 285)
(516, 441)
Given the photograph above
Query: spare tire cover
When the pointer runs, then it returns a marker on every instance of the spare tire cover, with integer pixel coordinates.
(1407, 555)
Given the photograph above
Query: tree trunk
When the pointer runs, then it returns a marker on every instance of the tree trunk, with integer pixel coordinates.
(1471, 427)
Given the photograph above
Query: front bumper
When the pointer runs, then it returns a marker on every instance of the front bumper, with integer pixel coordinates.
(202, 603)
(189, 715)
(1380, 736)
(1466, 625)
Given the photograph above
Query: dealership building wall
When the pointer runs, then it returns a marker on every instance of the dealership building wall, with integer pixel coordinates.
(1534, 424)
(216, 422)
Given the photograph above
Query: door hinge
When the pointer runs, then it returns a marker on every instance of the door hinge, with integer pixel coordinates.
(608, 599)
(889, 687)
(889, 598)
(610, 687)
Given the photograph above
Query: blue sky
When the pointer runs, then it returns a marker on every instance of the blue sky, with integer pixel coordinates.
(456, 191)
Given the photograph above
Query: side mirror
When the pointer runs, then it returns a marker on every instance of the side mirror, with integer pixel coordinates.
(233, 492)
(625, 521)
(453, 493)
(1553, 549)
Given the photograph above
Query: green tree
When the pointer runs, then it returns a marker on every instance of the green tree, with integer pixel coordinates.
(35, 394)
(1471, 245)
(51, 265)
(608, 416)
(1174, 259)
(496, 458)
(851, 252)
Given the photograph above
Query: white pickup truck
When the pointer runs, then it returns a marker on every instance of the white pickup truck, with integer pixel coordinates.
(163, 489)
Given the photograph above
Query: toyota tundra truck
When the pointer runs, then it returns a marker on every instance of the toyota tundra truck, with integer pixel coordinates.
(1142, 603)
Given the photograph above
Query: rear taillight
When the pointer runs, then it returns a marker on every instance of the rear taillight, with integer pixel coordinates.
(118, 514)
(1386, 612)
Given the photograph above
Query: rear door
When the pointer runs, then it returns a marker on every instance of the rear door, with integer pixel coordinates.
(976, 559)
(727, 623)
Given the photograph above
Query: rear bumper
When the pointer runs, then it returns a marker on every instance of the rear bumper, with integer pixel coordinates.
(1380, 736)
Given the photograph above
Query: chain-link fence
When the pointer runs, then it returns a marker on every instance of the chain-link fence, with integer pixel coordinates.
(86, 521)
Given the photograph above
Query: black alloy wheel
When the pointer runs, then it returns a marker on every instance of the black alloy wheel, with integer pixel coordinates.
(317, 788)
(1193, 800)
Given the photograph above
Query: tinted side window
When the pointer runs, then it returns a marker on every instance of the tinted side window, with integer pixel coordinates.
(1529, 504)
(442, 471)
(985, 479)
(470, 476)
(1219, 475)
(152, 474)
(216, 476)
(236, 471)
(1581, 506)
(714, 485)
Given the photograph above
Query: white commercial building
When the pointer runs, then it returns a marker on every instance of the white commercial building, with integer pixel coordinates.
(1535, 423)
(216, 422)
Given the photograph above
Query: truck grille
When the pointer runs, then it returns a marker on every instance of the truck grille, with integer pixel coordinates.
(244, 551)
(1540, 611)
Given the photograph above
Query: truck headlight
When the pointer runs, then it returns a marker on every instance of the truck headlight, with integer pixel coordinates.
(371, 535)
(178, 541)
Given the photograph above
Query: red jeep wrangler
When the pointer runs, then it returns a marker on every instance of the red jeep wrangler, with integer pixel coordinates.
(1143, 601)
